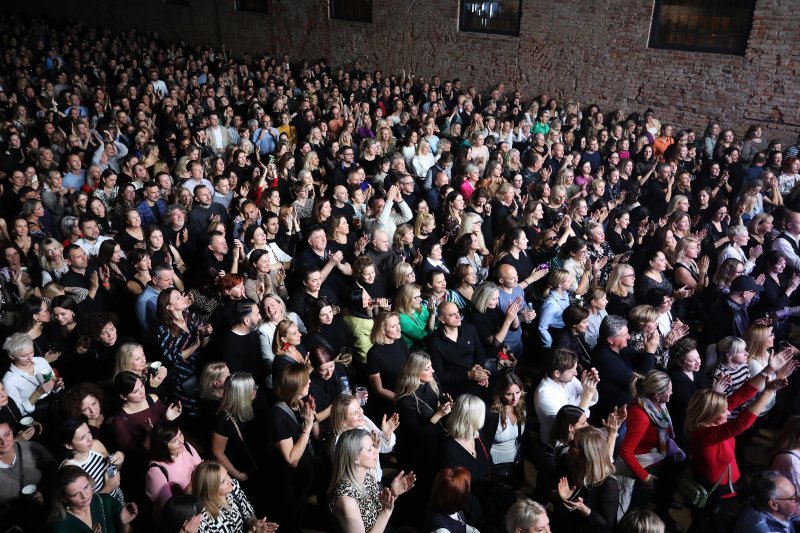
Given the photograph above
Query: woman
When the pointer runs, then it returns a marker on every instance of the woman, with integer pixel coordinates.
(328, 379)
(138, 280)
(401, 274)
(464, 280)
(97, 209)
(259, 278)
(274, 312)
(86, 400)
(35, 320)
(108, 190)
(417, 321)
(212, 389)
(739, 237)
(778, 288)
(575, 257)
(421, 409)
(464, 447)
(589, 493)
(654, 278)
(30, 379)
(450, 214)
(385, 358)
(237, 433)
(76, 507)
(423, 160)
(433, 253)
(620, 237)
(133, 235)
(505, 431)
(180, 338)
(287, 347)
(131, 358)
(598, 249)
(347, 414)
(292, 423)
(648, 448)
(620, 290)
(172, 462)
(491, 323)
(448, 499)
(51, 261)
(162, 251)
(355, 498)
(712, 437)
(644, 324)
(326, 327)
(83, 450)
(557, 299)
(226, 508)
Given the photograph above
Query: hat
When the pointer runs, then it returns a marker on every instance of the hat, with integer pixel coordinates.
(745, 283)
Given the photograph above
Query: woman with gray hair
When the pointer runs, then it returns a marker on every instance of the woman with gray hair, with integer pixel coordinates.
(489, 320)
(29, 379)
(527, 516)
(739, 237)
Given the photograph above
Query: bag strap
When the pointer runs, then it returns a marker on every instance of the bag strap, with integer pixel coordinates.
(163, 470)
(719, 481)
(244, 444)
(21, 466)
(285, 408)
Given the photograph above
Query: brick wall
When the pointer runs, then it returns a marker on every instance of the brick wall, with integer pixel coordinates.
(591, 51)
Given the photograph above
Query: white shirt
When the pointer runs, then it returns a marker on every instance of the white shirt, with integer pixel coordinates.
(20, 385)
(550, 396)
(92, 248)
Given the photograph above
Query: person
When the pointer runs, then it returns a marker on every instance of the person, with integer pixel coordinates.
(292, 423)
(648, 449)
(712, 437)
(572, 336)
(172, 462)
(356, 501)
(326, 380)
(615, 363)
(589, 492)
(457, 353)
(773, 506)
(91, 455)
(505, 430)
(417, 321)
(490, 322)
(385, 358)
(226, 508)
(527, 516)
(641, 521)
(786, 458)
(421, 408)
(76, 505)
(448, 499)
(22, 381)
(22, 463)
(347, 414)
(561, 387)
(182, 514)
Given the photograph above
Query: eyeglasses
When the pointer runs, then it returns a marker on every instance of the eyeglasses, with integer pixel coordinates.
(628, 276)
(795, 498)
(552, 238)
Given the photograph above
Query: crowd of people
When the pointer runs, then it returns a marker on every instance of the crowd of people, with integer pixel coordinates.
(243, 294)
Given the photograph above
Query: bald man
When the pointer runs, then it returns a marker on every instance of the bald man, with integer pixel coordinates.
(457, 354)
(510, 290)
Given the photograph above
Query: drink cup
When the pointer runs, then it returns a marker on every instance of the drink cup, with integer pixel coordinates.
(361, 395)
(28, 491)
(27, 421)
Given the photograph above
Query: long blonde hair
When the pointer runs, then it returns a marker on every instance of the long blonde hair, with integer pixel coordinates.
(408, 382)
(704, 406)
(614, 285)
(237, 400)
(593, 445)
(206, 479)
(345, 453)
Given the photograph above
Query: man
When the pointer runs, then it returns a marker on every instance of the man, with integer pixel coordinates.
(592, 153)
(561, 387)
(161, 278)
(439, 177)
(457, 354)
(78, 275)
(75, 176)
(222, 191)
(380, 215)
(341, 206)
(203, 211)
(346, 159)
(23, 463)
(241, 343)
(196, 177)
(152, 207)
(408, 189)
(508, 281)
(91, 240)
(659, 191)
(266, 137)
(217, 257)
(788, 241)
(381, 254)
(332, 267)
(555, 161)
(773, 508)
(728, 316)
(218, 137)
(616, 362)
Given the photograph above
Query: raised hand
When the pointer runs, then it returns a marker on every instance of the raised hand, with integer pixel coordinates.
(402, 483)
(389, 425)
(722, 383)
(174, 411)
(386, 499)
(564, 490)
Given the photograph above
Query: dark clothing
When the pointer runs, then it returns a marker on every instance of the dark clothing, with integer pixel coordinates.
(308, 258)
(325, 391)
(452, 360)
(616, 369)
(725, 318)
(524, 265)
(417, 437)
(242, 353)
(602, 499)
(452, 455)
(387, 360)
(682, 390)
(619, 305)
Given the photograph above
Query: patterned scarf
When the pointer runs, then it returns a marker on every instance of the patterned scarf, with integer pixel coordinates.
(659, 416)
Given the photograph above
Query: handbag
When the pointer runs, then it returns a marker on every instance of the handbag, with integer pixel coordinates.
(695, 493)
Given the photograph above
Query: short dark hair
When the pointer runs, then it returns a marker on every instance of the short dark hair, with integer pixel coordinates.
(163, 432)
(574, 315)
(764, 486)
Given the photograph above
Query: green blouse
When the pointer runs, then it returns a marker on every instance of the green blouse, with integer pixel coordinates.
(105, 510)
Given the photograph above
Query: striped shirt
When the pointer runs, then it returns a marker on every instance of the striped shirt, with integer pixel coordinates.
(739, 376)
(95, 465)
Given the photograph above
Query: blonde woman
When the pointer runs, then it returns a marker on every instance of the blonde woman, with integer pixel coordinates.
(130, 357)
(689, 273)
(620, 290)
(386, 356)
(739, 237)
(423, 160)
(417, 321)
(236, 429)
(225, 505)
(557, 298)
(760, 342)
(347, 414)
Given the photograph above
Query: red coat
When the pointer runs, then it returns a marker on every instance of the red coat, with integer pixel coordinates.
(714, 447)
(640, 437)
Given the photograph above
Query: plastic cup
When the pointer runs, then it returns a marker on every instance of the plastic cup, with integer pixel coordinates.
(27, 422)
(28, 491)
(361, 395)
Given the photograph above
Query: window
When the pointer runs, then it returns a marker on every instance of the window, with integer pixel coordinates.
(358, 10)
(714, 26)
(254, 6)
(498, 16)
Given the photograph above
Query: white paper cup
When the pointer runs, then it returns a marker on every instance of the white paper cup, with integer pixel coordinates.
(27, 422)
(28, 490)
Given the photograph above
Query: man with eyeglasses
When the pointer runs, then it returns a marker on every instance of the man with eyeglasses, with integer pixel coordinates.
(729, 316)
(457, 354)
(773, 507)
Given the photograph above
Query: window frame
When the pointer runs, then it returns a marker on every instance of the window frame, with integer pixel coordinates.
(333, 16)
(652, 41)
(462, 27)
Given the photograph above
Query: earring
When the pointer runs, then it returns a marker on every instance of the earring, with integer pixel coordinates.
(285, 346)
